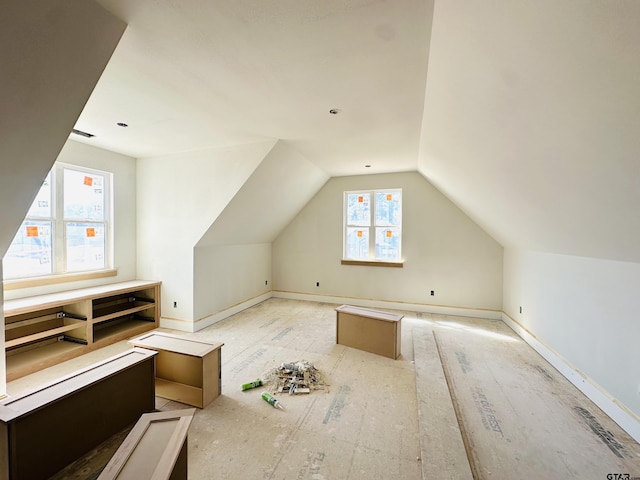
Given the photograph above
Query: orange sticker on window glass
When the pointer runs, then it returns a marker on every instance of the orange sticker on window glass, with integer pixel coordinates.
(389, 197)
(88, 181)
(32, 231)
(361, 199)
(359, 233)
(389, 234)
(91, 232)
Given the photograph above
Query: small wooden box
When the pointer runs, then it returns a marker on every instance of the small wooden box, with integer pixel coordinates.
(369, 330)
(156, 448)
(188, 370)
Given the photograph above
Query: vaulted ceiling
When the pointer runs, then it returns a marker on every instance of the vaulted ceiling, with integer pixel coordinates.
(525, 113)
(532, 121)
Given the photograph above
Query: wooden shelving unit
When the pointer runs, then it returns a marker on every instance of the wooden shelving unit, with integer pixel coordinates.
(44, 330)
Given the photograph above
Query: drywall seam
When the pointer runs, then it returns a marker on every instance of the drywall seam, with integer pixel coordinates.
(627, 420)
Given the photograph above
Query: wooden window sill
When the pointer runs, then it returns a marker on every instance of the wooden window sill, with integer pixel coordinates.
(370, 263)
(55, 279)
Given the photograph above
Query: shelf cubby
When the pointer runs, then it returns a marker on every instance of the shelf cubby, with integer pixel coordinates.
(44, 330)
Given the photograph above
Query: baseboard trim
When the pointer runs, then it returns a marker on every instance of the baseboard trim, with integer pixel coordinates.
(414, 307)
(227, 312)
(627, 420)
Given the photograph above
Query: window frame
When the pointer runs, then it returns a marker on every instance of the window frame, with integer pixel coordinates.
(59, 268)
(371, 259)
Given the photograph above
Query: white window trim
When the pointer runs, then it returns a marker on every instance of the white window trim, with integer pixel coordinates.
(371, 260)
(59, 274)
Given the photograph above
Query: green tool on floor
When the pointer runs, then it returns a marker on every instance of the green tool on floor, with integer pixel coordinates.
(249, 386)
(271, 400)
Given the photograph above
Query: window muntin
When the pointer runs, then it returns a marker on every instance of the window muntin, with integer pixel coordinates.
(373, 229)
(67, 228)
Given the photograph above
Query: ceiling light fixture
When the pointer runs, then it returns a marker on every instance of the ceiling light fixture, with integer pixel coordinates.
(82, 134)
(122, 124)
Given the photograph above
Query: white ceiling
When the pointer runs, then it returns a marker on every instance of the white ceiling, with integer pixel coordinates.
(528, 117)
(200, 74)
(532, 121)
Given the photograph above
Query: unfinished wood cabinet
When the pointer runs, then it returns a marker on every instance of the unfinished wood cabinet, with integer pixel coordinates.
(156, 448)
(43, 330)
(188, 370)
(369, 330)
(43, 430)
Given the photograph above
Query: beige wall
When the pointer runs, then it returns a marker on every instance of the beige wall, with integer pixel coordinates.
(443, 250)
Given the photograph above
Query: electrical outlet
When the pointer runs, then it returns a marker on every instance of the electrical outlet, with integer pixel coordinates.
(317, 284)
(520, 309)
(266, 282)
(175, 304)
(433, 292)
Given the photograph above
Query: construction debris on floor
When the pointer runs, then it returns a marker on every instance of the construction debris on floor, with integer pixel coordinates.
(295, 378)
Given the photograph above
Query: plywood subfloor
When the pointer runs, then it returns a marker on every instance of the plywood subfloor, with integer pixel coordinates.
(477, 392)
(520, 418)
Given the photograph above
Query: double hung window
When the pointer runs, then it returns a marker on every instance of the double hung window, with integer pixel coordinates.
(373, 225)
(67, 229)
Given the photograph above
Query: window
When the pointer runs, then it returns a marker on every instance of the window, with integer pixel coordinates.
(373, 225)
(67, 228)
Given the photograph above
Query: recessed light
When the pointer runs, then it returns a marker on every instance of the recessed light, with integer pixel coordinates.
(334, 111)
(122, 124)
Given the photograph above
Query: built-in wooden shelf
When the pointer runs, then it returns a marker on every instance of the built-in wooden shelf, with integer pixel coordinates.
(44, 330)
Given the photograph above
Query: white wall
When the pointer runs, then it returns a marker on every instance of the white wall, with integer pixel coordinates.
(227, 276)
(124, 215)
(233, 258)
(179, 197)
(583, 309)
(442, 248)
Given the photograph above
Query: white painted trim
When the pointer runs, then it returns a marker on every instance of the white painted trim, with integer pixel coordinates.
(627, 420)
(414, 307)
(176, 324)
(238, 307)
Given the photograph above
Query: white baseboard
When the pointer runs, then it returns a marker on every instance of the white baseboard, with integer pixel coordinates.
(629, 422)
(414, 307)
(176, 324)
(227, 312)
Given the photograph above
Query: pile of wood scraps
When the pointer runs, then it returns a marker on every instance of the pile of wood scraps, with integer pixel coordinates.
(295, 378)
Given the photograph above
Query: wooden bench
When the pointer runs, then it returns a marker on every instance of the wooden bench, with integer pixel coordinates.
(188, 370)
(369, 330)
(45, 429)
(155, 449)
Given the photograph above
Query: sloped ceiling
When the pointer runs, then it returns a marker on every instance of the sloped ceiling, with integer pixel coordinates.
(283, 182)
(44, 84)
(532, 121)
